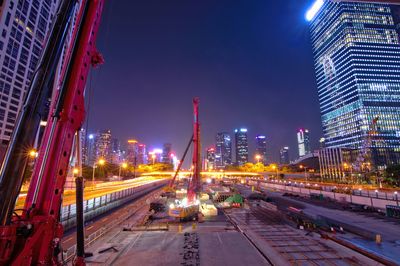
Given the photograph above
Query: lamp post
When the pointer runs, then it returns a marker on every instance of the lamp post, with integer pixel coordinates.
(305, 171)
(124, 166)
(100, 162)
(275, 167)
(75, 171)
(258, 157)
(153, 156)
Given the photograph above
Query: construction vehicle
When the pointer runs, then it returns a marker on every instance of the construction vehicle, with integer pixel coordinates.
(33, 237)
(188, 207)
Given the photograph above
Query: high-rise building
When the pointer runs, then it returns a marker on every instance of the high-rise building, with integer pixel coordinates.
(141, 154)
(356, 52)
(261, 148)
(284, 155)
(210, 159)
(303, 141)
(103, 146)
(116, 152)
(23, 27)
(132, 151)
(91, 149)
(223, 150)
(166, 153)
(241, 146)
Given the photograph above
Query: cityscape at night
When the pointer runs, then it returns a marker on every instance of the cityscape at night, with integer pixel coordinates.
(200, 133)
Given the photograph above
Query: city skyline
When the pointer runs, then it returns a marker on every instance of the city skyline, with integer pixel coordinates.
(199, 51)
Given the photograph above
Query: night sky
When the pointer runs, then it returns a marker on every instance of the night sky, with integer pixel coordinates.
(250, 62)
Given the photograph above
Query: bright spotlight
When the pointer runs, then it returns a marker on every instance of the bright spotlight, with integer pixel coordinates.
(312, 12)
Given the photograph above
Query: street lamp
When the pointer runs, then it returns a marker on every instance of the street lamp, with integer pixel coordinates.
(305, 171)
(258, 157)
(100, 162)
(33, 153)
(122, 165)
(75, 171)
(153, 156)
(275, 167)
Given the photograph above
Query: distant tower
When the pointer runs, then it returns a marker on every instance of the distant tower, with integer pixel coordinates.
(284, 155)
(116, 153)
(103, 146)
(131, 151)
(210, 159)
(223, 150)
(261, 148)
(141, 154)
(303, 140)
(166, 153)
(241, 145)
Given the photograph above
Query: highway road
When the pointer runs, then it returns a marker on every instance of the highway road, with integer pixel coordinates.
(100, 189)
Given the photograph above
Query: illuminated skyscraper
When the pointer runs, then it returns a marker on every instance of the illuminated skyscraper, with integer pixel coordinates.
(261, 148)
(241, 146)
(131, 151)
(103, 146)
(223, 150)
(356, 51)
(23, 27)
(141, 154)
(166, 153)
(210, 159)
(284, 155)
(303, 140)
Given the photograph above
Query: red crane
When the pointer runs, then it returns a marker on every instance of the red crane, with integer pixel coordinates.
(33, 238)
(195, 183)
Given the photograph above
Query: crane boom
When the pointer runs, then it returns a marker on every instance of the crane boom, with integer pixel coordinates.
(42, 231)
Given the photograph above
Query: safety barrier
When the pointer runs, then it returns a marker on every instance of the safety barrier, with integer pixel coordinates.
(99, 205)
(69, 253)
(375, 200)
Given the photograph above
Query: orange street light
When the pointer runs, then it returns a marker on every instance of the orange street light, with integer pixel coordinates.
(258, 157)
(33, 153)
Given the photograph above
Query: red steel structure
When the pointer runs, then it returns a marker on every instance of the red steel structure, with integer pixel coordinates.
(34, 237)
(194, 185)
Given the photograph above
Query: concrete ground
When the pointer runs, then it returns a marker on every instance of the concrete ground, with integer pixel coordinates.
(390, 231)
(218, 244)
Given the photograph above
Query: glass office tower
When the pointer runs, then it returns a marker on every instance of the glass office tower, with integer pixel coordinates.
(357, 60)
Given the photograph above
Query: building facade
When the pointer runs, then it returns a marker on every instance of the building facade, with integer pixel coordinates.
(337, 163)
(261, 148)
(141, 154)
(23, 26)
(103, 146)
(132, 151)
(223, 150)
(357, 54)
(241, 146)
(210, 159)
(166, 153)
(303, 141)
(284, 156)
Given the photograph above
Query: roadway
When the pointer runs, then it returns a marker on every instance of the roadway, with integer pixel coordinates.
(100, 189)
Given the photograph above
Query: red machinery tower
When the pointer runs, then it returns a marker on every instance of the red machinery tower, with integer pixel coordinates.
(195, 184)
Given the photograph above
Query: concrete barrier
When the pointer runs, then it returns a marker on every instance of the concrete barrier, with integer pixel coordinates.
(372, 199)
(97, 206)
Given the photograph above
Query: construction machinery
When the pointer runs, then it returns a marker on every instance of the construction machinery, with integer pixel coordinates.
(188, 207)
(33, 237)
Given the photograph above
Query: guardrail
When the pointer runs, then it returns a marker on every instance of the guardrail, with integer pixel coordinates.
(69, 253)
(368, 198)
(99, 205)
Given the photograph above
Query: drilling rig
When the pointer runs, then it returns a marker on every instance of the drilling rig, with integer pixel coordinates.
(189, 206)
